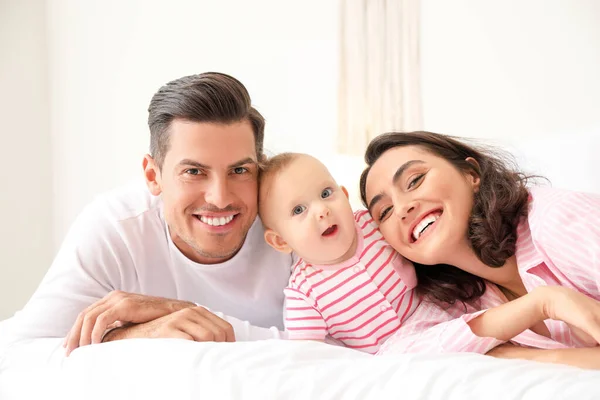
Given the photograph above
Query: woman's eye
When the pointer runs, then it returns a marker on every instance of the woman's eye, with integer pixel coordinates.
(298, 210)
(415, 181)
(326, 193)
(384, 213)
(240, 170)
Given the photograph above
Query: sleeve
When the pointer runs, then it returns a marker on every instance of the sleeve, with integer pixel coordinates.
(434, 330)
(86, 268)
(246, 332)
(301, 319)
(566, 228)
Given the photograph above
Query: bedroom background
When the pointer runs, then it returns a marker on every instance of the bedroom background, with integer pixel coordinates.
(77, 78)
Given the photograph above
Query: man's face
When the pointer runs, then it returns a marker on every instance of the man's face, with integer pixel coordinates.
(209, 188)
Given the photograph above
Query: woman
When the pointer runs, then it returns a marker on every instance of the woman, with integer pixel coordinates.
(464, 218)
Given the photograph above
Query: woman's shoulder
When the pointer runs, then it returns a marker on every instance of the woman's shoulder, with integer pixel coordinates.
(554, 207)
(544, 199)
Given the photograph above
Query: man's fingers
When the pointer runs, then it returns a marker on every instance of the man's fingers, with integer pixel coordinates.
(219, 322)
(72, 339)
(178, 334)
(89, 321)
(200, 329)
(105, 320)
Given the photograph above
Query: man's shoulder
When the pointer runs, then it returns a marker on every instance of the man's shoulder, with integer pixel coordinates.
(126, 202)
(123, 211)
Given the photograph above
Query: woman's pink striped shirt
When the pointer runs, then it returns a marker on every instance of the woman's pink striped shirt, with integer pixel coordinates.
(558, 244)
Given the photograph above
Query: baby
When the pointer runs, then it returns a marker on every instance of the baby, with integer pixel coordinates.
(347, 282)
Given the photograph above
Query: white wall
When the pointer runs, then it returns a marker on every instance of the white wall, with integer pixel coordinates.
(523, 73)
(518, 72)
(109, 57)
(25, 159)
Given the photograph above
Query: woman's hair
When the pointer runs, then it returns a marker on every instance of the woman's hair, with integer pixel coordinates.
(499, 204)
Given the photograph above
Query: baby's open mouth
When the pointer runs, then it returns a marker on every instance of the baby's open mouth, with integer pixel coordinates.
(330, 231)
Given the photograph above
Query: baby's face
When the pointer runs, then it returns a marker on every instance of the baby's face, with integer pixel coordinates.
(312, 213)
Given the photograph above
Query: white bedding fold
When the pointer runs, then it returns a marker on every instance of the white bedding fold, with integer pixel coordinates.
(275, 369)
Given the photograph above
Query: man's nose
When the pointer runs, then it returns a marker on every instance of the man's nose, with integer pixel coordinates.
(218, 194)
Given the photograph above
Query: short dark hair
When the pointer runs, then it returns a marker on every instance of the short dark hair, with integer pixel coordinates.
(499, 204)
(207, 97)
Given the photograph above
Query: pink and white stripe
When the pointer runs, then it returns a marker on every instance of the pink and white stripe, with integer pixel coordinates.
(360, 302)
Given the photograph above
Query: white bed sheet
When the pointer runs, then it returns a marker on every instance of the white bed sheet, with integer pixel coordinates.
(175, 369)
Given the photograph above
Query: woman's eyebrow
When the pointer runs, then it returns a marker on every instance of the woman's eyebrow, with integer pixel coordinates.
(403, 168)
(376, 199)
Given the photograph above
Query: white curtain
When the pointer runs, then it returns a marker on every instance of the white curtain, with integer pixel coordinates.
(379, 87)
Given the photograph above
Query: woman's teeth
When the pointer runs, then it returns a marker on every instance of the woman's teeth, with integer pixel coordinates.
(218, 221)
(424, 224)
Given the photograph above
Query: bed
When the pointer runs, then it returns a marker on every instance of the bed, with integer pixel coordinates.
(275, 369)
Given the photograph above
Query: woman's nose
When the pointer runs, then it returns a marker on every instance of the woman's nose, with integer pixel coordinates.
(405, 213)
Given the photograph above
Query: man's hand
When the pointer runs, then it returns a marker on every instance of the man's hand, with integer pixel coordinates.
(196, 323)
(118, 308)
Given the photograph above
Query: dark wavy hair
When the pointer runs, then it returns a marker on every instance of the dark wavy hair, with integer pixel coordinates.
(499, 204)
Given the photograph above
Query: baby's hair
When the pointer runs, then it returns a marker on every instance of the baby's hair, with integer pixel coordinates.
(268, 170)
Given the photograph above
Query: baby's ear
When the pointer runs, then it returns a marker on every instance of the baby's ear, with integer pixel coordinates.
(276, 241)
(345, 191)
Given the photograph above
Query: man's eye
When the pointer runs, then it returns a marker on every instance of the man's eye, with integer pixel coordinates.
(193, 171)
(416, 180)
(298, 210)
(326, 193)
(240, 170)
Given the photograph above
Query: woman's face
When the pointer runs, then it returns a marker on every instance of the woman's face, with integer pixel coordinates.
(422, 204)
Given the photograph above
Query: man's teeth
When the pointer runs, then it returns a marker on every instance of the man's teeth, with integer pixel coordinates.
(424, 224)
(218, 221)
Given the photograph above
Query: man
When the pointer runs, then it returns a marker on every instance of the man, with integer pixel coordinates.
(138, 260)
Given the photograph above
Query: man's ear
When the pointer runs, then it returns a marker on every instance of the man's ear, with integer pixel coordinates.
(276, 241)
(345, 191)
(474, 176)
(152, 175)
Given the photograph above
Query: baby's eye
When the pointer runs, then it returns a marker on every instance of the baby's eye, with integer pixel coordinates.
(298, 210)
(326, 193)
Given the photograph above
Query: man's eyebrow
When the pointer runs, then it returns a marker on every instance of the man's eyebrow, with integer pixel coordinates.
(193, 163)
(196, 164)
(247, 160)
(403, 168)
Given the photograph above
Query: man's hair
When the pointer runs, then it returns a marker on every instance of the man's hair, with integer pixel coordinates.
(268, 170)
(208, 97)
(499, 205)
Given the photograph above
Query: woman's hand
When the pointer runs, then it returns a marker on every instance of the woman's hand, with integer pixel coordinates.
(581, 312)
(506, 321)
(582, 357)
